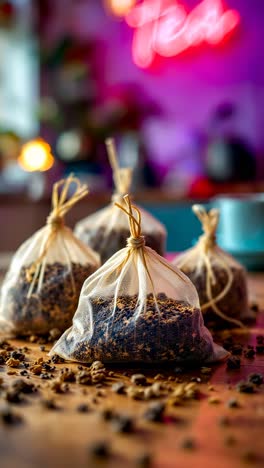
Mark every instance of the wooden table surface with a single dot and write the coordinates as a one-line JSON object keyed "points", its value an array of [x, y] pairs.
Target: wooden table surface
{"points": [[222, 437]]}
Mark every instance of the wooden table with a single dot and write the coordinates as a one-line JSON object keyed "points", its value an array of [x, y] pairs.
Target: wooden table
{"points": [[61, 438]]}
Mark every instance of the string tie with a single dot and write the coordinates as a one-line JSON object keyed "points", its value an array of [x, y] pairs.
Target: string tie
{"points": [[61, 204], [136, 242], [56, 222]]}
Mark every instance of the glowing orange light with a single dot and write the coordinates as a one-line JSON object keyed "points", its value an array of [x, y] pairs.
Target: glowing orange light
{"points": [[36, 156], [164, 27], [120, 7]]}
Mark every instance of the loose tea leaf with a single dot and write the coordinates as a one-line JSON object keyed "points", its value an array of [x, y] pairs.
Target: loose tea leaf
{"points": [[138, 379], [48, 404], [11, 362], [249, 353], [233, 363], [256, 378], [188, 444], [154, 412], [245, 387], [100, 449], [83, 408], [118, 387], [122, 423], [23, 386], [144, 460], [8, 416]]}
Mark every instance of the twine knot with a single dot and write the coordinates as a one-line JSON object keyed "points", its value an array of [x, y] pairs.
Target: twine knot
{"points": [[56, 222], [136, 242], [117, 198], [61, 204], [209, 223], [207, 242]]}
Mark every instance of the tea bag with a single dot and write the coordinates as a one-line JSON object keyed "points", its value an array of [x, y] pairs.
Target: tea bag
{"points": [[219, 279], [42, 287], [138, 308], [106, 231]]}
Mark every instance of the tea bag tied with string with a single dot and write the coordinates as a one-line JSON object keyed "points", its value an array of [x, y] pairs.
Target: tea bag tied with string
{"points": [[41, 289], [137, 307], [106, 231], [219, 279]]}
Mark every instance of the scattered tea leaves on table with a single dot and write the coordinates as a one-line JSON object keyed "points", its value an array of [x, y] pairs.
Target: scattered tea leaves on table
{"points": [[9, 417], [233, 363], [11, 362], [245, 387], [233, 403], [138, 379], [154, 412], [122, 423], [118, 387], [83, 408], [100, 449], [256, 378], [144, 460], [188, 444]]}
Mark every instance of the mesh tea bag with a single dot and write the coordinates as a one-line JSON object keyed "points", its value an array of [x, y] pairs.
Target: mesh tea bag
{"points": [[219, 279], [106, 231], [42, 287], [138, 308]]}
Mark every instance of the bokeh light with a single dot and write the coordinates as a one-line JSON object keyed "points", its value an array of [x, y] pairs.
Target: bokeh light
{"points": [[119, 7], [36, 156]]}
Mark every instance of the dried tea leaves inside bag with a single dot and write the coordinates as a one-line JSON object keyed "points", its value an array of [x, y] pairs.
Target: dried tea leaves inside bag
{"points": [[138, 308], [219, 279], [106, 231], [42, 287]]}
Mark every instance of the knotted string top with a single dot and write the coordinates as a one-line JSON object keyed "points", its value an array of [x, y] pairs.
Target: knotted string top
{"points": [[122, 176], [136, 240], [61, 204], [209, 221]]}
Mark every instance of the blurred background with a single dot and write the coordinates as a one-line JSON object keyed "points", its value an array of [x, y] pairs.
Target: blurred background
{"points": [[179, 84]]}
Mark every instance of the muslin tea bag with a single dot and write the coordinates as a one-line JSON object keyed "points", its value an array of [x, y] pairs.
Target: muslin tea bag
{"points": [[106, 231], [219, 279], [41, 289], [137, 307]]}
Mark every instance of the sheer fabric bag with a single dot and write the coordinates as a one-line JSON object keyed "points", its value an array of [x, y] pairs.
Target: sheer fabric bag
{"points": [[106, 231], [138, 308], [219, 279], [41, 289]]}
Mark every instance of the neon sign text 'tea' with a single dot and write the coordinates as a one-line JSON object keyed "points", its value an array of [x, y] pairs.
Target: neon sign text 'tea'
{"points": [[164, 27]]}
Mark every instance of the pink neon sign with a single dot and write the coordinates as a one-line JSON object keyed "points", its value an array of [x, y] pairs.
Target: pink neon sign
{"points": [[164, 27]]}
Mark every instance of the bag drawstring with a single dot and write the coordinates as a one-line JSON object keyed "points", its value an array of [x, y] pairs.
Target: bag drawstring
{"points": [[136, 242], [61, 204]]}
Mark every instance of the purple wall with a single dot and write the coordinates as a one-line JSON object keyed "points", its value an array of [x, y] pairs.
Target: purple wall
{"points": [[187, 87]]}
